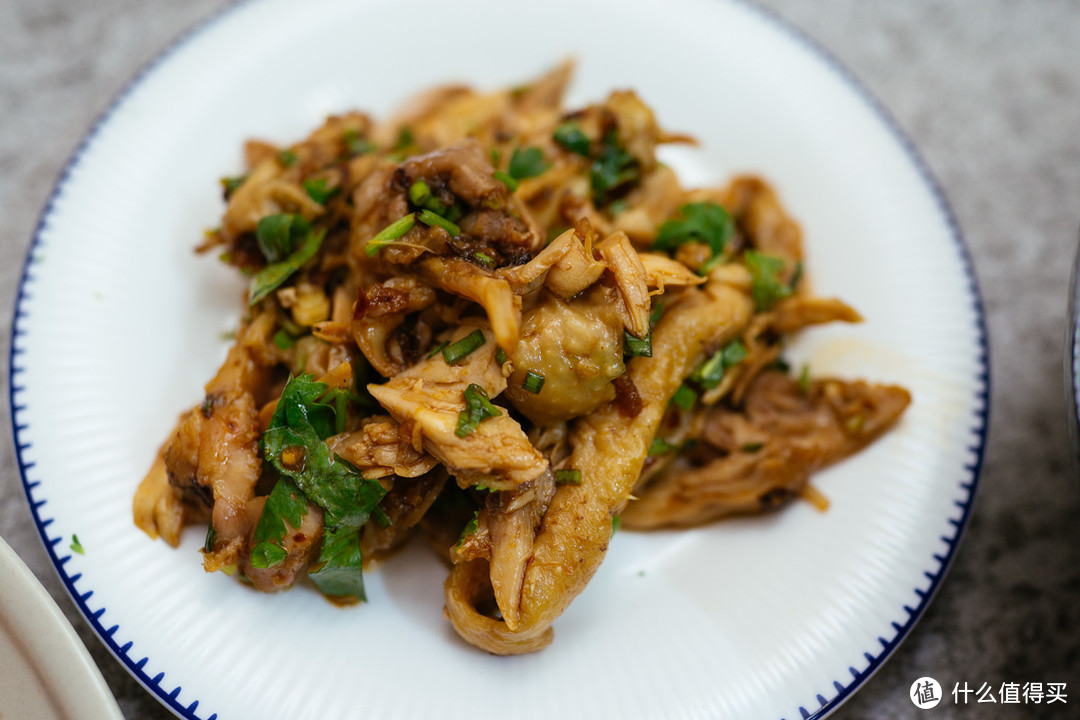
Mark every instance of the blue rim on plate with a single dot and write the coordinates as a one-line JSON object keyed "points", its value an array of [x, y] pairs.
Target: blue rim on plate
{"points": [[1072, 360], [828, 700]]}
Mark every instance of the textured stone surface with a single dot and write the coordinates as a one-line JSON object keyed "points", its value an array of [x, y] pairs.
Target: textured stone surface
{"points": [[989, 90]]}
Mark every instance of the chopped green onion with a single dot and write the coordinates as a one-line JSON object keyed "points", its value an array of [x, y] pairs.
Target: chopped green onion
{"points": [[419, 193], [527, 162], [429, 218], [496, 156], [318, 190], [500, 356], [752, 447], [618, 207], [76, 546], [656, 314], [283, 340], [437, 349], [712, 371], [804, 379], [211, 536], [533, 382], [637, 347], [389, 234], [485, 259], [684, 398], [510, 183], [478, 408], [287, 158], [570, 136], [616, 524], [455, 353], [569, 476], [660, 446]]}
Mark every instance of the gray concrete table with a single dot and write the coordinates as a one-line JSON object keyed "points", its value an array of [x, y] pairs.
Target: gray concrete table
{"points": [[990, 92]]}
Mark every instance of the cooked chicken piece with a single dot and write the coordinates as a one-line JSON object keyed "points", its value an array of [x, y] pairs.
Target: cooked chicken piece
{"points": [[609, 449], [214, 453], [631, 281], [464, 168], [576, 348], [158, 507], [578, 268], [428, 399], [513, 517], [379, 313], [381, 447], [404, 505], [661, 272], [760, 456], [301, 546], [466, 280]]}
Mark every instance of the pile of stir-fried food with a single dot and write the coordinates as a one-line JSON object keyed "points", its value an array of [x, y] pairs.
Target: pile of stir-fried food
{"points": [[507, 328]]}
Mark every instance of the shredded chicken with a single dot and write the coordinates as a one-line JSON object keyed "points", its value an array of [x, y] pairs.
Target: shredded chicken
{"points": [[500, 324]]}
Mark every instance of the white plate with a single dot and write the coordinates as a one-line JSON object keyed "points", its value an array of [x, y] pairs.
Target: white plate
{"points": [[118, 327], [45, 672]]}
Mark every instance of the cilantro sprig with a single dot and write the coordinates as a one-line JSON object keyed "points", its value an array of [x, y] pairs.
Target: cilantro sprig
{"points": [[307, 413], [704, 222]]}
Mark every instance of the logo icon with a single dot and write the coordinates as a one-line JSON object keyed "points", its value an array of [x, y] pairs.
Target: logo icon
{"points": [[925, 693]]}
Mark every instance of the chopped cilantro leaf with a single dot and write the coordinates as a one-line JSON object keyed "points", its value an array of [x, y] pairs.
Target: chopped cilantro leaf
{"points": [[711, 372], [285, 504], [229, 185], [287, 158], [704, 222], [356, 145], [765, 285], [293, 443], [272, 276], [76, 546], [283, 340], [570, 136], [527, 162], [318, 189], [613, 172], [338, 571], [278, 235]]}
